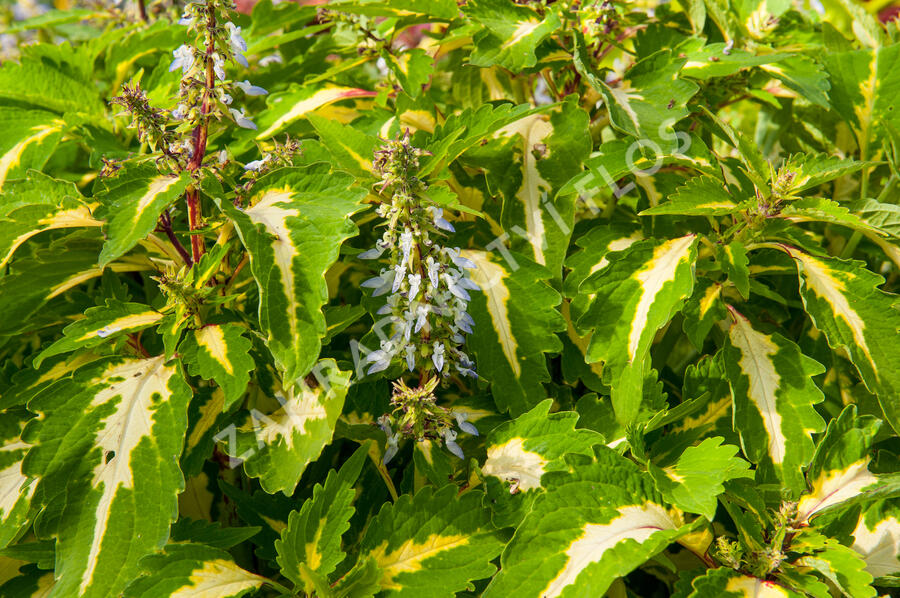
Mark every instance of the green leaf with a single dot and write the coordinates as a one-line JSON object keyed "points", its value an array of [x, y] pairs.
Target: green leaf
{"points": [[351, 149], [30, 136], [510, 33], [774, 397], [432, 545], [541, 153], [703, 310], [520, 452], [37, 204], [839, 565], [725, 582], [597, 522], [695, 480], [844, 302], [839, 473], [313, 534], [515, 324], [635, 296], [413, 69], [193, 570], [277, 446], [220, 352], [811, 170], [106, 452], [803, 75], [817, 209], [46, 85], [134, 201], [650, 104], [100, 323], [882, 216], [289, 106], [466, 129], [864, 90], [700, 196], [16, 488], [293, 229]]}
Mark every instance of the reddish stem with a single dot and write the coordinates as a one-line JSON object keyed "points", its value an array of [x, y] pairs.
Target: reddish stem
{"points": [[192, 196]]}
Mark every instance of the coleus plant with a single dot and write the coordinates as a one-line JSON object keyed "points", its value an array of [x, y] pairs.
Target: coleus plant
{"points": [[401, 298]]}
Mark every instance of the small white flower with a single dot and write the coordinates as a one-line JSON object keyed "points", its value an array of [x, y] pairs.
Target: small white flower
{"points": [[184, 59], [380, 360], [437, 214], [450, 443], [219, 67], [438, 356], [411, 357], [235, 39], [179, 112], [434, 270], [391, 449], [384, 422], [186, 20], [241, 120], [415, 281], [255, 165], [422, 316], [463, 424], [457, 259], [227, 99], [399, 273], [241, 59], [454, 288], [465, 322], [250, 89], [406, 238], [223, 157], [371, 254]]}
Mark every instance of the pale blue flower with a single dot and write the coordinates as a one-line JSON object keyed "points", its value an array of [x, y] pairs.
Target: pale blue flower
{"points": [[465, 426], [250, 89], [184, 59], [241, 119]]}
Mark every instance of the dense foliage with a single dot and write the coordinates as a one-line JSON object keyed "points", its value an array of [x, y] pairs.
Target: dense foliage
{"points": [[431, 299]]}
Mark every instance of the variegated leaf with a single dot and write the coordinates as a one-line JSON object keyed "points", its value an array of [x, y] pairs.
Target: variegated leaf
{"points": [[29, 137], [724, 581], [700, 196], [133, 202], [864, 90], [106, 452], [876, 538], [510, 33], [100, 323], [695, 481], [276, 446], [16, 489], [703, 310], [844, 302], [37, 204], [433, 544], [193, 571], [220, 352], [287, 107], [541, 152], [774, 397], [633, 298], [595, 523], [839, 473], [311, 542], [520, 452], [293, 229], [515, 325]]}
